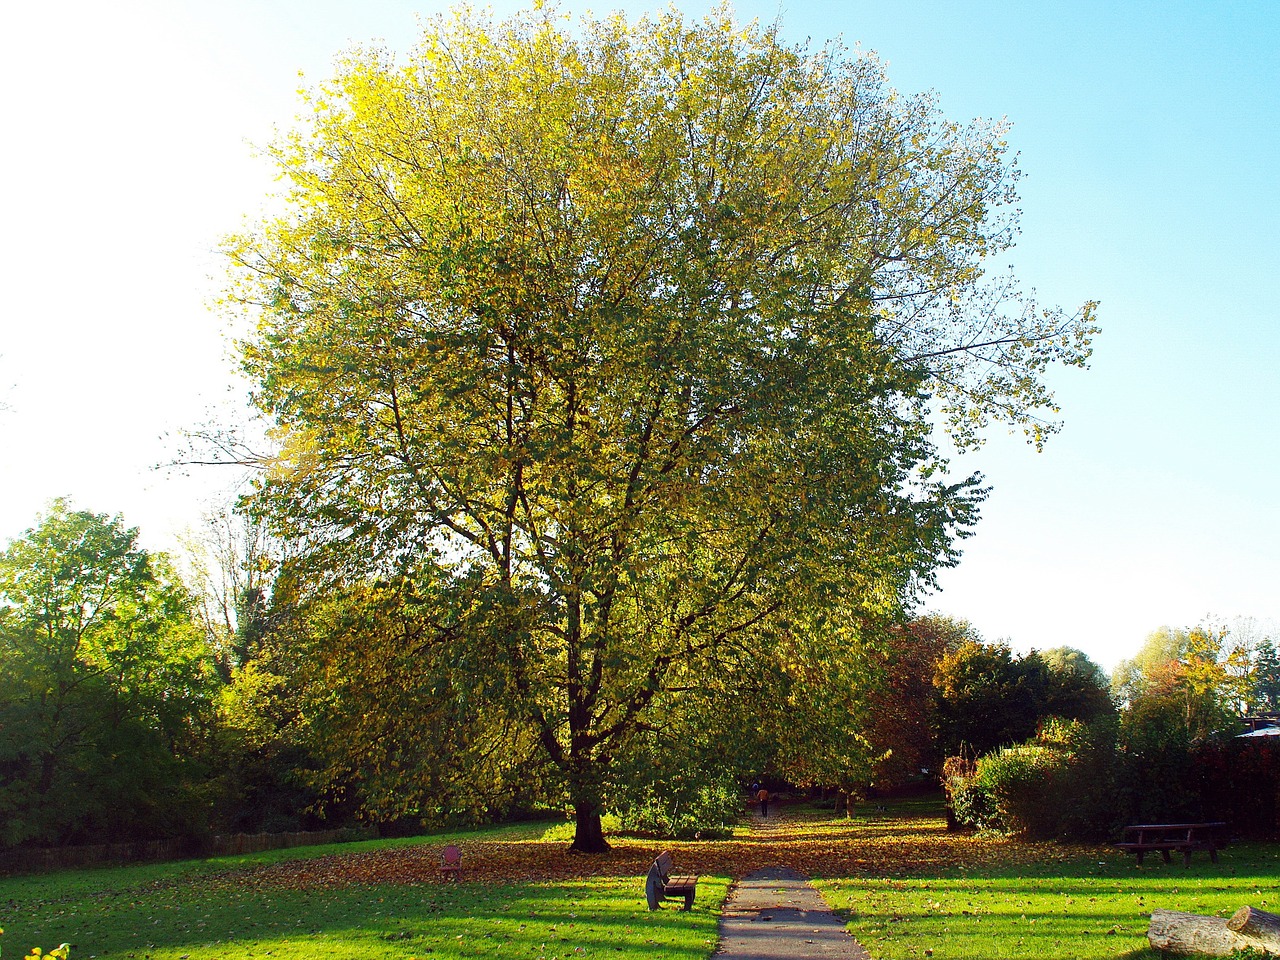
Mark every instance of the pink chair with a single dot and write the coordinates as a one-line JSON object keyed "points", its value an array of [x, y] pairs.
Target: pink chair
{"points": [[450, 863]]}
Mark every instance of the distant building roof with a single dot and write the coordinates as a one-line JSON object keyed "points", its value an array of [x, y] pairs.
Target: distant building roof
{"points": [[1261, 721]]}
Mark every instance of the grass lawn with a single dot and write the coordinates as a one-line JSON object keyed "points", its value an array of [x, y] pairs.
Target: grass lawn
{"points": [[326, 902], [977, 898], [907, 887]]}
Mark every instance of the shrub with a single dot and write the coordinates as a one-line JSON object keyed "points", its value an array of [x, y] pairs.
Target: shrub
{"points": [[1019, 781], [1055, 786], [968, 804], [699, 811]]}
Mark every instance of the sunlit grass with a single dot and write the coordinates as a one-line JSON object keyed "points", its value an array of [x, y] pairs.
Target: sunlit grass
{"points": [[204, 910], [995, 898], [578, 919], [908, 888]]}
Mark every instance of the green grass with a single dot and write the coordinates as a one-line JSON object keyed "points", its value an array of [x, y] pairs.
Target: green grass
{"points": [[1015, 901], [907, 888], [464, 920], [200, 910]]}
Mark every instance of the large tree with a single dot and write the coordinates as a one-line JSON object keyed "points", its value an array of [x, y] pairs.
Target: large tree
{"points": [[615, 353]]}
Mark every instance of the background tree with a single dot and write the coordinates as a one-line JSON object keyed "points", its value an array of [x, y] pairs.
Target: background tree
{"points": [[619, 347], [987, 697], [264, 756], [1076, 688], [1199, 673], [105, 688], [990, 697], [1138, 673], [902, 715], [1266, 678], [1072, 662], [815, 709], [230, 562]]}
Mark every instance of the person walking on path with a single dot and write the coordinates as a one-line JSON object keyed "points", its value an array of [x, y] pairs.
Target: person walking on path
{"points": [[763, 796]]}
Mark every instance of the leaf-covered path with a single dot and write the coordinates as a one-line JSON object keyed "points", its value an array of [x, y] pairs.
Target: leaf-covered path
{"points": [[775, 914]]}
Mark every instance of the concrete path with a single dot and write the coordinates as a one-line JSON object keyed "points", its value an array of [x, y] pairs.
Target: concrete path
{"points": [[775, 914]]}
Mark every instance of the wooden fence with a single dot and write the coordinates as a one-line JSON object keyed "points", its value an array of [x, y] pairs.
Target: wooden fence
{"points": [[61, 858]]}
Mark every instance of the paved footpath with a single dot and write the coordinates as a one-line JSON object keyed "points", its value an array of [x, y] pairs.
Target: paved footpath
{"points": [[775, 914]]}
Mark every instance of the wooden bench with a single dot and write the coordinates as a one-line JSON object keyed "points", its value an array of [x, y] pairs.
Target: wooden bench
{"points": [[660, 885], [450, 863], [1167, 837]]}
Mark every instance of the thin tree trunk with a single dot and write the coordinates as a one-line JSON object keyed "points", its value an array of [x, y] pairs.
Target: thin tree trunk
{"points": [[953, 824]]}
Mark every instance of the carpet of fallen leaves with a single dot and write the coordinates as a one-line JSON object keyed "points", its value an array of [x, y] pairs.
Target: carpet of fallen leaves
{"points": [[888, 845]]}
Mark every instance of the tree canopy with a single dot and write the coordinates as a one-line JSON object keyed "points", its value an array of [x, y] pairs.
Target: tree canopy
{"points": [[104, 682], [1266, 677], [1200, 676], [611, 357], [990, 697]]}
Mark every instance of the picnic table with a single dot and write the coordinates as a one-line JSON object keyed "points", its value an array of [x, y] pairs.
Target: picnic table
{"points": [[1167, 837]]}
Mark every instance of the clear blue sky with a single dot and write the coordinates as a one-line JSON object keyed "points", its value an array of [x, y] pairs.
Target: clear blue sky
{"points": [[1148, 134]]}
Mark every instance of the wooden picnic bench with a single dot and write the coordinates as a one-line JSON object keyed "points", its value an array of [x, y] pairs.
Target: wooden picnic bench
{"points": [[1167, 837], [659, 884]]}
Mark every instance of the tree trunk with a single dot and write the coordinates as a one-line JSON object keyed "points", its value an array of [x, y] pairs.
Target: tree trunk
{"points": [[1259, 924], [953, 824], [48, 763], [1180, 933], [1173, 931], [588, 835]]}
